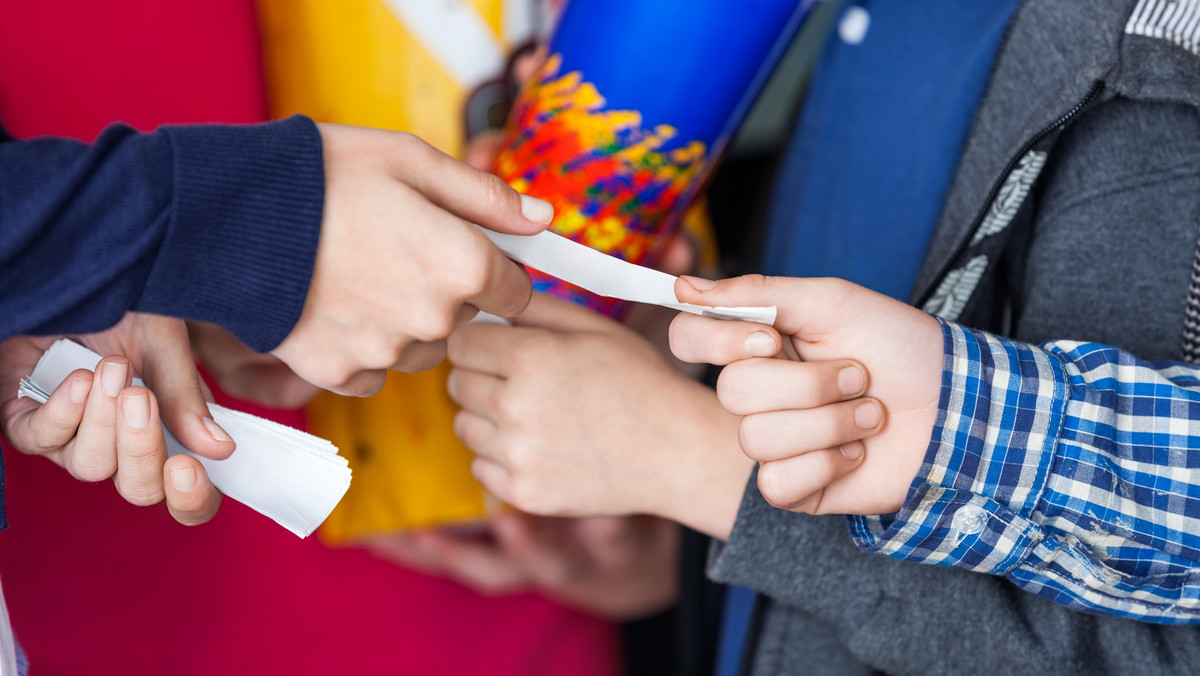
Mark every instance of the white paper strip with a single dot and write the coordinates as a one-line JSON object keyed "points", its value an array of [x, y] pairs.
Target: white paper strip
{"points": [[606, 275], [290, 476]]}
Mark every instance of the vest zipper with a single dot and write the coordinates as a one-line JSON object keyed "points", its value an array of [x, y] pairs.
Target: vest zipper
{"points": [[1093, 92]]}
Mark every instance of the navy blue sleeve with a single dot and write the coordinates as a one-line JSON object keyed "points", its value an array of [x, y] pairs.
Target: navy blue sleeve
{"points": [[212, 222]]}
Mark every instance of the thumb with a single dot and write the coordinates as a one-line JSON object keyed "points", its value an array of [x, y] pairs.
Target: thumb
{"points": [[801, 303], [170, 372]]}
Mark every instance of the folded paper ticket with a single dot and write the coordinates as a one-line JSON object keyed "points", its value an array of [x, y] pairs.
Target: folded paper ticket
{"points": [[609, 276], [290, 476]]}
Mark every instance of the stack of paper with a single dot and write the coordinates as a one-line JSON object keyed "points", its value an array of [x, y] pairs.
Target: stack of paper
{"points": [[293, 477]]}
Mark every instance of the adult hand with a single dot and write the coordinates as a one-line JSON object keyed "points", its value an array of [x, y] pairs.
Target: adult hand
{"points": [[98, 426], [246, 374], [399, 263], [836, 333], [621, 568]]}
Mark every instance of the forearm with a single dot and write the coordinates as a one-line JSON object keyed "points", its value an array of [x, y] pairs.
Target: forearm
{"points": [[219, 223], [1080, 491], [809, 570]]}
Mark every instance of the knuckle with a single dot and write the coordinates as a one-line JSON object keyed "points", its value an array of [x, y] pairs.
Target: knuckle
{"points": [[772, 485], [526, 497], [433, 324], [495, 193], [472, 279], [512, 405], [410, 144], [49, 435], [757, 282], [142, 495], [91, 470]]}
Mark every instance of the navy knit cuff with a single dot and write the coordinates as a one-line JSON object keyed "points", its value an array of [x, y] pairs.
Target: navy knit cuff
{"points": [[245, 225]]}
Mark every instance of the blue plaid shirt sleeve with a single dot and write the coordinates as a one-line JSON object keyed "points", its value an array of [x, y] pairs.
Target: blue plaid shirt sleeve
{"points": [[1072, 469]]}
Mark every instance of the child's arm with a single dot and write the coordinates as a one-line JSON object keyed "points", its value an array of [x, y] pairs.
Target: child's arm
{"points": [[1069, 468]]}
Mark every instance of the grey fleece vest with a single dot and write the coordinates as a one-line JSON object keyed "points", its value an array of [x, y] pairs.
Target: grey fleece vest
{"points": [[1074, 214]]}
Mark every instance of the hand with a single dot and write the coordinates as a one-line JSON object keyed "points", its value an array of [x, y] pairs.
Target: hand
{"points": [[620, 568], [98, 427], [836, 333], [571, 414], [246, 374], [399, 264]]}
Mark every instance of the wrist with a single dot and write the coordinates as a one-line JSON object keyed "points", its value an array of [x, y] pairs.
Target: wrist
{"points": [[703, 486]]}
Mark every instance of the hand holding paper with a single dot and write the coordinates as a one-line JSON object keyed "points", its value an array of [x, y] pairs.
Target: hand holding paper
{"points": [[399, 265], [816, 421], [98, 427], [292, 477]]}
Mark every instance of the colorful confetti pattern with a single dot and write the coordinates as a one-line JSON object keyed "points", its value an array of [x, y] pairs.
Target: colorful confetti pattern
{"points": [[613, 185]]}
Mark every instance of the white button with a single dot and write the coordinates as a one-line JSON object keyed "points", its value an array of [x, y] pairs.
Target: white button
{"points": [[854, 25], [969, 520]]}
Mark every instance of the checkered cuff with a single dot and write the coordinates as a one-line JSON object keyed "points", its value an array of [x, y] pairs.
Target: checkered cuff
{"points": [[992, 448]]}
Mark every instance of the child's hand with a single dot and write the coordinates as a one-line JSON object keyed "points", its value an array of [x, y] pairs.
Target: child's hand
{"points": [[621, 568], [97, 426], [572, 414], [835, 334]]}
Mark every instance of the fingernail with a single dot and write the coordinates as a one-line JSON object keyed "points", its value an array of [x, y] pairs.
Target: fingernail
{"points": [[112, 380], [78, 390], [761, 344], [183, 478], [215, 430], [867, 415], [699, 283], [851, 380], [852, 451], [135, 410], [536, 210]]}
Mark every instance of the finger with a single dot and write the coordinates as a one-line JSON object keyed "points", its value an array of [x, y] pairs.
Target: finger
{"points": [[797, 300], [507, 288], [482, 150], [141, 448], [548, 312], [480, 394], [528, 64], [359, 384], [191, 497], [493, 476], [47, 428], [478, 433], [407, 550], [547, 560], [486, 347], [465, 314], [273, 385], [702, 340], [169, 370], [420, 356], [478, 564], [474, 195], [780, 434], [678, 255], [93, 455], [759, 385], [798, 483]]}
